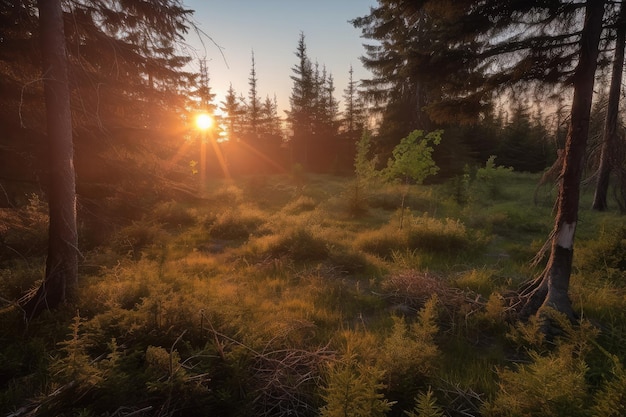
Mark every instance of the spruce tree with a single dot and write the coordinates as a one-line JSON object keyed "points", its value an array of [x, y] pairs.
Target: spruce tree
{"points": [[254, 105], [301, 114]]}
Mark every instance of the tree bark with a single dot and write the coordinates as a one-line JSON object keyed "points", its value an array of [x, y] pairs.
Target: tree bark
{"points": [[607, 153], [550, 290], [61, 276]]}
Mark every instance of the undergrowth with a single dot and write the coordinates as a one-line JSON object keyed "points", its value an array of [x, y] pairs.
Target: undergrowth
{"points": [[307, 295]]}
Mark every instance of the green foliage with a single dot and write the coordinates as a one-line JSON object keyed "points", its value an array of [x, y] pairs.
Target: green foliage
{"points": [[425, 234], [410, 350], [553, 383], [412, 157], [295, 274], [460, 186], [364, 164], [610, 401], [605, 253], [353, 389], [74, 363], [299, 244], [367, 176], [490, 179], [425, 406]]}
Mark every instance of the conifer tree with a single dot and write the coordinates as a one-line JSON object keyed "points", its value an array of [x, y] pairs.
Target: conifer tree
{"points": [[234, 111], [254, 104], [126, 95], [300, 116], [353, 118], [469, 49], [610, 154], [61, 277]]}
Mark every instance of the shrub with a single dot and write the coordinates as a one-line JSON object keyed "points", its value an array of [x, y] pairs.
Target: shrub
{"points": [[410, 350], [24, 231], [434, 235], [425, 406], [551, 385], [353, 390], [302, 203], [382, 242], [173, 214], [235, 224], [490, 178], [610, 401], [299, 244], [605, 253], [134, 239]]}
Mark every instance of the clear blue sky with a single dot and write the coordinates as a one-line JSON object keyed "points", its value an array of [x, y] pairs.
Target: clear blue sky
{"points": [[272, 28]]}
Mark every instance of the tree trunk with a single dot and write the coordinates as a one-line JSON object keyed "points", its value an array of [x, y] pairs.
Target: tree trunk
{"points": [[607, 153], [61, 275], [551, 288]]}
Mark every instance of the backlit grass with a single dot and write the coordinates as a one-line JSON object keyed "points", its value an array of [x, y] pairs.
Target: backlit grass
{"points": [[274, 288]]}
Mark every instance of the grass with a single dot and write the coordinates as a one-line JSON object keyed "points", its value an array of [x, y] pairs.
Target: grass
{"points": [[268, 282]]}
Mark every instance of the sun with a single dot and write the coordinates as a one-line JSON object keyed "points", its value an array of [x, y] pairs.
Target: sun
{"points": [[204, 121]]}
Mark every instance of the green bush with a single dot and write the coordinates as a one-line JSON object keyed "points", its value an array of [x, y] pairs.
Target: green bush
{"points": [[353, 389], [605, 253], [490, 180], [442, 236]]}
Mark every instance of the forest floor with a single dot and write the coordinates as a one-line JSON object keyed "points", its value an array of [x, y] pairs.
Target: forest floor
{"points": [[275, 297]]}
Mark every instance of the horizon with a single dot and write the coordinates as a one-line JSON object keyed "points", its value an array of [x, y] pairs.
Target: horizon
{"points": [[271, 30]]}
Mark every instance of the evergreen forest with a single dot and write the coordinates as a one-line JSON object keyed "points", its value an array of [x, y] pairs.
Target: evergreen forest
{"points": [[443, 238]]}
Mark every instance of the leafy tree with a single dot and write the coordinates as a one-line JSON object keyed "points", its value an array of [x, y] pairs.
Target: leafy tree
{"points": [[412, 160], [479, 47]]}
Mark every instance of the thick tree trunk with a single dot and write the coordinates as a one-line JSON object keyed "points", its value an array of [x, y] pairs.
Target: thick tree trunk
{"points": [[61, 276], [607, 153], [551, 288]]}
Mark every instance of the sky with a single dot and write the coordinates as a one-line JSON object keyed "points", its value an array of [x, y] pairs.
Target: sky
{"points": [[271, 28]]}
